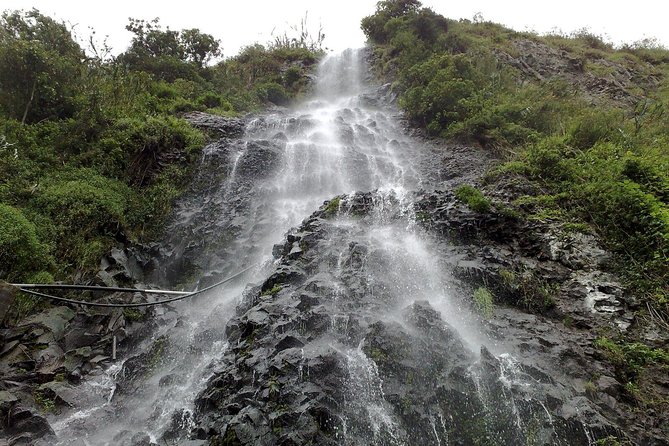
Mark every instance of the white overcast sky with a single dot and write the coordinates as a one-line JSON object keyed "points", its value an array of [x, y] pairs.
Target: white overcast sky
{"points": [[242, 22]]}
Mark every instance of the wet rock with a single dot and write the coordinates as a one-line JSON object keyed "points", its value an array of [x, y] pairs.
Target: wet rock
{"points": [[59, 392], [49, 360], [225, 127], [7, 400], [7, 297], [141, 439], [55, 320], [138, 366], [21, 420], [171, 380]]}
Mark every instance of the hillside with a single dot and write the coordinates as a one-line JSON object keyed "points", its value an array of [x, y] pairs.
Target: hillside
{"points": [[93, 149], [581, 134]]}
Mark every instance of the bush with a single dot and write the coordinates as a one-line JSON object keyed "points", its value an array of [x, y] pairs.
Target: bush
{"points": [[146, 141], [272, 92], [483, 302], [634, 220], [292, 76], [647, 175], [21, 251], [182, 105], [548, 159], [210, 100], [84, 201], [629, 359], [473, 198], [591, 128]]}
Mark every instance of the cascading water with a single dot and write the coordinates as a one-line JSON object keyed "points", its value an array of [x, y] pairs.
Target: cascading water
{"points": [[373, 324]]}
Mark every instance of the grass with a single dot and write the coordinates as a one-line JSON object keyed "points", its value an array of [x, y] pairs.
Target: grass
{"points": [[483, 302], [630, 359], [45, 403], [473, 198], [526, 289]]}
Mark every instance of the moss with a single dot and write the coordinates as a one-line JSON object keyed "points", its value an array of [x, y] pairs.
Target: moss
{"points": [[229, 439], [473, 198], [332, 208], [422, 216], [611, 441], [134, 315], [377, 355], [156, 355], [272, 291]]}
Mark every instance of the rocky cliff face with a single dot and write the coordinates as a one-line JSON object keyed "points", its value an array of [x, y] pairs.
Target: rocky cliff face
{"points": [[326, 352]]}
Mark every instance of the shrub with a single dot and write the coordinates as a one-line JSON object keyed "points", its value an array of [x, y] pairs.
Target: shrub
{"points": [[647, 175], [21, 251], [629, 359], [641, 222], [210, 100], [591, 128], [272, 92], [147, 140], [85, 213], [473, 198], [84, 200], [548, 159], [182, 105], [292, 76], [483, 302]]}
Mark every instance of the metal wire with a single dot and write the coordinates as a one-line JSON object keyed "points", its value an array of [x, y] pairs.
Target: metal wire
{"points": [[182, 294], [52, 286]]}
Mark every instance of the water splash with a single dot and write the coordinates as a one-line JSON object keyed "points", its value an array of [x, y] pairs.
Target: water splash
{"points": [[370, 412]]}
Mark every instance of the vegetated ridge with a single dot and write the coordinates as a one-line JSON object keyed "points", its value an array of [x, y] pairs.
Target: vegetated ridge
{"points": [[93, 149], [581, 132]]}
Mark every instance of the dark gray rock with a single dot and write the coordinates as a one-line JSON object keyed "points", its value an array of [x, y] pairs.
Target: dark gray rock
{"points": [[7, 297], [225, 127]]}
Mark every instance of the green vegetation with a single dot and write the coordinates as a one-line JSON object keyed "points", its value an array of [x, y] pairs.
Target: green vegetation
{"points": [[601, 161], [134, 315], [483, 302], [629, 359], [473, 198], [272, 291], [332, 207], [44, 402], [92, 148], [611, 441], [526, 289]]}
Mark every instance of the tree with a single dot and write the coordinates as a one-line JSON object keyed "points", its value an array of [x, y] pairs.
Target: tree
{"points": [[40, 67], [166, 53], [374, 25], [198, 47]]}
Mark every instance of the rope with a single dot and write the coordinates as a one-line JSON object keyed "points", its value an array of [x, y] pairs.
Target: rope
{"points": [[183, 294]]}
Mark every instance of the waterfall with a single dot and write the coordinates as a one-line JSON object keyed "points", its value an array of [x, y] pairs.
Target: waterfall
{"points": [[377, 277]]}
